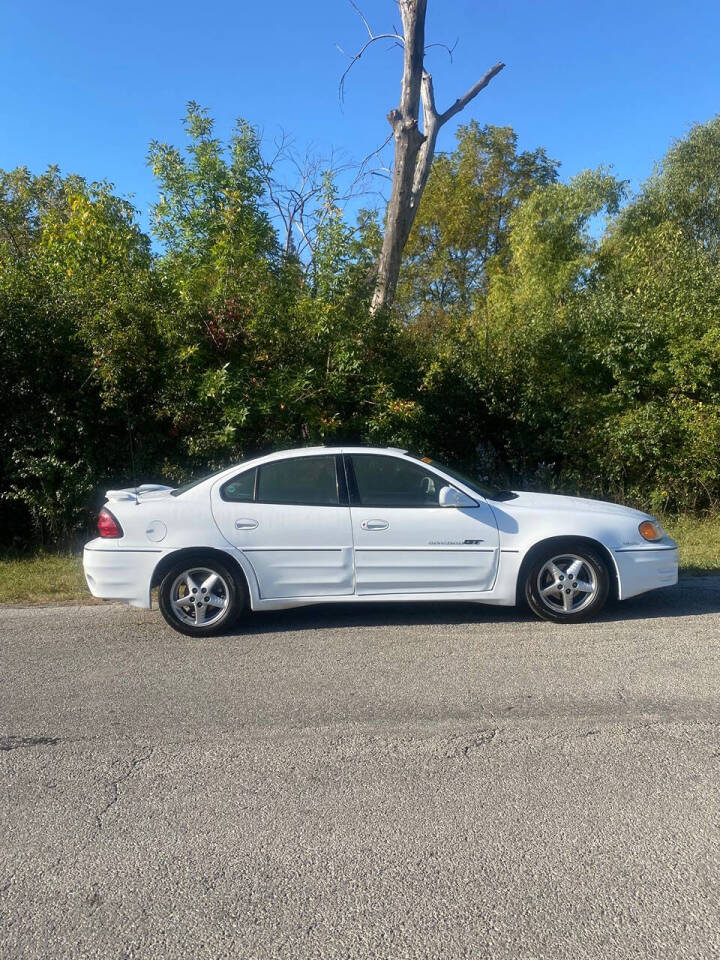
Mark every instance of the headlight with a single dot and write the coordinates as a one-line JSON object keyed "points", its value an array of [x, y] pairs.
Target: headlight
{"points": [[651, 530]]}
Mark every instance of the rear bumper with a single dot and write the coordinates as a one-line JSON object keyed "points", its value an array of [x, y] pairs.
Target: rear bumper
{"points": [[646, 568], [113, 573]]}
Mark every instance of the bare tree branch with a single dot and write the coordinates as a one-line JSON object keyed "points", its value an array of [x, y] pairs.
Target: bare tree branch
{"points": [[450, 49], [369, 157], [431, 129], [359, 12], [373, 38], [356, 56], [427, 91], [463, 101], [296, 185]]}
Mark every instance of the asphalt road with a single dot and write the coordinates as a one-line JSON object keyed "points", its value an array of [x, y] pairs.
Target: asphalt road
{"points": [[387, 782]]}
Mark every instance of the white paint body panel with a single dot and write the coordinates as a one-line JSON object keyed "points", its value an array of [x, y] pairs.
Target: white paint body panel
{"points": [[295, 551], [423, 550], [298, 555]]}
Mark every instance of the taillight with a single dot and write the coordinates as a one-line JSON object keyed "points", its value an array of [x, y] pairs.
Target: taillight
{"points": [[108, 525]]}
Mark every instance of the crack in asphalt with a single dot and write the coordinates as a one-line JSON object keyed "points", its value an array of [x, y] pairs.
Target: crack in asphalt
{"points": [[11, 742], [482, 739], [113, 786]]}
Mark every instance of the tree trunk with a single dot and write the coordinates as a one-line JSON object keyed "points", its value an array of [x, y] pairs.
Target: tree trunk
{"points": [[408, 141], [414, 150]]}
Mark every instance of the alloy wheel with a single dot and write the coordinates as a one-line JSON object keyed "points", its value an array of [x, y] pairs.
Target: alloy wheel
{"points": [[199, 597], [567, 584]]}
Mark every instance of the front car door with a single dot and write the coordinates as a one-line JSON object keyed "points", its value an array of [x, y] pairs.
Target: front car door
{"points": [[291, 520], [406, 540]]}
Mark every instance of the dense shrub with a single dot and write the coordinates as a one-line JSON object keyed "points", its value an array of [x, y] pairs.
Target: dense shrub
{"points": [[529, 343]]}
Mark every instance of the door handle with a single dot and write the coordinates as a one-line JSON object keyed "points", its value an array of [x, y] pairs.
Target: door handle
{"points": [[245, 524], [374, 524]]}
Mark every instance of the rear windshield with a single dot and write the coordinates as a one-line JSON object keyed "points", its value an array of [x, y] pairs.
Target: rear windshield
{"points": [[179, 491]]}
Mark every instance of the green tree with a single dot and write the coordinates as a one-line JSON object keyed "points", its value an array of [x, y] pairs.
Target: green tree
{"points": [[533, 345], [464, 216], [653, 322], [72, 267], [684, 191], [505, 384]]}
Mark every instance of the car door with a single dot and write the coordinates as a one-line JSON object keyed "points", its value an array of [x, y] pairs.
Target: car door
{"points": [[406, 540], [291, 519]]}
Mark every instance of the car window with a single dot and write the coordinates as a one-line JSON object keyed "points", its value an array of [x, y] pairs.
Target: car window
{"points": [[392, 482], [304, 480], [241, 489]]}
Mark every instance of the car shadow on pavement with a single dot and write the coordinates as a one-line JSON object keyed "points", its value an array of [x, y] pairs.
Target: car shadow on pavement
{"points": [[693, 596]]}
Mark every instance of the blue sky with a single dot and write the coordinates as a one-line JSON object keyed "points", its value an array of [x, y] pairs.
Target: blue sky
{"points": [[87, 86]]}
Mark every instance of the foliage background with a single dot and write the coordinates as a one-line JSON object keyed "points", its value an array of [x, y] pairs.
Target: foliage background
{"points": [[547, 334]]}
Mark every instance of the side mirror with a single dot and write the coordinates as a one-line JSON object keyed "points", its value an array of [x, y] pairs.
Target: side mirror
{"points": [[452, 497]]}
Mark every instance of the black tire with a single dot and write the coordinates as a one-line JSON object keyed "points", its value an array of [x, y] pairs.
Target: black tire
{"points": [[564, 601], [226, 589]]}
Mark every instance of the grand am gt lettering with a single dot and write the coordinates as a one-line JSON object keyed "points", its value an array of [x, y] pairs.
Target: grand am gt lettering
{"points": [[358, 524]]}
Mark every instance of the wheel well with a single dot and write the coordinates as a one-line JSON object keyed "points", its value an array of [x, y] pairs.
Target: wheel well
{"points": [[170, 559], [540, 547]]}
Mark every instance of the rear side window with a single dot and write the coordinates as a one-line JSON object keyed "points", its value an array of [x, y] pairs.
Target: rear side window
{"points": [[241, 489], [303, 480], [392, 482]]}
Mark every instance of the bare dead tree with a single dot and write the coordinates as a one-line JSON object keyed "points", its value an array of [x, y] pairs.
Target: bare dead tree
{"points": [[414, 148], [296, 184]]}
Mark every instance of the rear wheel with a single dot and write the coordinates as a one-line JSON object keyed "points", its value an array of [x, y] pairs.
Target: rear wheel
{"points": [[200, 597], [567, 584]]}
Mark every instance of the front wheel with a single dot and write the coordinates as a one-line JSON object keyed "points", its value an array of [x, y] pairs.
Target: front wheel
{"points": [[567, 586], [200, 597]]}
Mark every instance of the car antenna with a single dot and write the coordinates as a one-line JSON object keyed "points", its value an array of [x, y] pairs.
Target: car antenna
{"points": [[132, 451]]}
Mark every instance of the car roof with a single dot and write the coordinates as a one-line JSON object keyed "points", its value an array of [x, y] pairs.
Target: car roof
{"points": [[320, 450], [310, 452], [300, 452]]}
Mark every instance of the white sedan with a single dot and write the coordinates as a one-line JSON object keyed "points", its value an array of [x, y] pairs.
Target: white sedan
{"points": [[357, 524]]}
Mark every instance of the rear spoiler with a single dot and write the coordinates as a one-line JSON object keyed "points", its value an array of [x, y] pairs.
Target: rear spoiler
{"points": [[134, 493]]}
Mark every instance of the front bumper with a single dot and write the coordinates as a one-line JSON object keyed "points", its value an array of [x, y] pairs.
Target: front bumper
{"points": [[114, 573], [646, 568]]}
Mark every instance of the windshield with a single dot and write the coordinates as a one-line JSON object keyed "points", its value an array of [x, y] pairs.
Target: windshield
{"points": [[485, 490]]}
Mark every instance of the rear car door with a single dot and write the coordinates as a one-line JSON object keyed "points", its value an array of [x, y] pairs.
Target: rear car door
{"points": [[405, 541], [290, 517]]}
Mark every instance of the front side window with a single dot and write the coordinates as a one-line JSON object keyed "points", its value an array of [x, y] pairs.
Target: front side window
{"points": [[391, 482], [302, 480]]}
